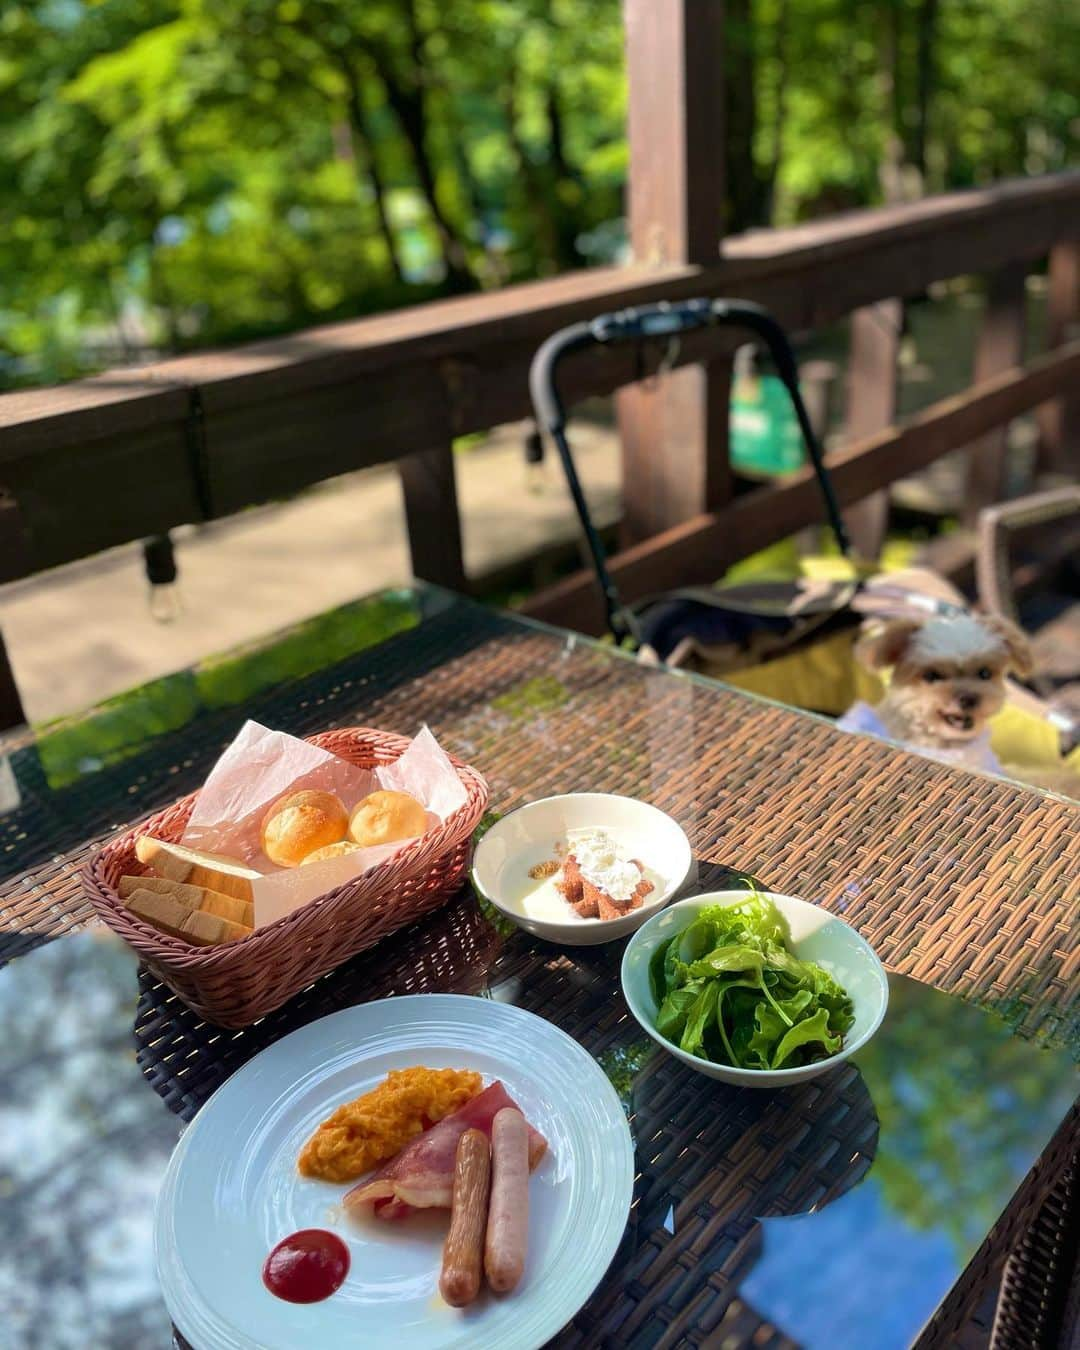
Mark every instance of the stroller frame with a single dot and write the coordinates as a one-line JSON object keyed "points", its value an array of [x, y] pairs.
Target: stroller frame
{"points": [[668, 321]]}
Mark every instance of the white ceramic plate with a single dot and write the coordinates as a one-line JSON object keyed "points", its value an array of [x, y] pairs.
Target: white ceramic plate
{"points": [[816, 935], [232, 1191], [528, 836]]}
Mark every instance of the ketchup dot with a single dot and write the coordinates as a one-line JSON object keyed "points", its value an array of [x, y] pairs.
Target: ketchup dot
{"points": [[306, 1266]]}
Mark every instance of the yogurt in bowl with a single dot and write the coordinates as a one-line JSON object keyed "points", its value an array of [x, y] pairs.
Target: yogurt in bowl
{"points": [[620, 849]]}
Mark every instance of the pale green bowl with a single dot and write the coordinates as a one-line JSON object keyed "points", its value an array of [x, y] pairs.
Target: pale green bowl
{"points": [[816, 936]]}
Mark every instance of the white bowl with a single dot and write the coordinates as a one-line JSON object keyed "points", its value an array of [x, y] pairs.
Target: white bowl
{"points": [[528, 836], [816, 936]]}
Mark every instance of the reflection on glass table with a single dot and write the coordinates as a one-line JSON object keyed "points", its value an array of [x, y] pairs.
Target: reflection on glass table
{"points": [[898, 1174], [83, 1144], [841, 1211]]}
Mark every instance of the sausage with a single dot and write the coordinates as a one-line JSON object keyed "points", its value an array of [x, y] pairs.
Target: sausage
{"points": [[508, 1213], [459, 1282]]}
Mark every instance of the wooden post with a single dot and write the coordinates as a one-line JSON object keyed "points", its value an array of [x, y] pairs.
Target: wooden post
{"points": [[15, 561], [1000, 347], [871, 407], [1059, 421], [674, 428], [11, 708], [431, 516], [817, 380]]}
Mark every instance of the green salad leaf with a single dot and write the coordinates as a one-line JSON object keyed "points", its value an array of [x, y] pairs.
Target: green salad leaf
{"points": [[675, 1009], [702, 1014], [730, 989], [810, 1031]]}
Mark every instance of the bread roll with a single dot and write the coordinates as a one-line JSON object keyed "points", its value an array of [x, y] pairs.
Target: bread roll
{"points": [[215, 871], [330, 851], [385, 817], [301, 822]]}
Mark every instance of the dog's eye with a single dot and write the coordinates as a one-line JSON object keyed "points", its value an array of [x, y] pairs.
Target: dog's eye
{"points": [[985, 673], [932, 676]]}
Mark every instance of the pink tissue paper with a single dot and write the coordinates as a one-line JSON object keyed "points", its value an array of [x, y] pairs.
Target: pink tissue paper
{"points": [[262, 765]]}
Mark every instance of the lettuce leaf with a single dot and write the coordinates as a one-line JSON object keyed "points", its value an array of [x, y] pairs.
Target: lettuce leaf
{"points": [[671, 1019], [730, 989], [756, 918], [724, 959], [699, 938], [702, 1015], [809, 1030], [658, 977]]}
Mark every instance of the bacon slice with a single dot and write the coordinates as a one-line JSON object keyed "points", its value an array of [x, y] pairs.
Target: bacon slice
{"points": [[421, 1176]]}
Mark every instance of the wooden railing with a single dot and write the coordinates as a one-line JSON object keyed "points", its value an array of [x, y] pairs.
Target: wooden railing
{"points": [[131, 452], [135, 452]]}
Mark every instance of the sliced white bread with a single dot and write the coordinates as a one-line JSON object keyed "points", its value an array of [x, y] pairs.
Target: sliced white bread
{"points": [[171, 916], [214, 871], [194, 897]]}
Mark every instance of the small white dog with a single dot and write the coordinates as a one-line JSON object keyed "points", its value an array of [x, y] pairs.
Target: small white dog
{"points": [[948, 680]]}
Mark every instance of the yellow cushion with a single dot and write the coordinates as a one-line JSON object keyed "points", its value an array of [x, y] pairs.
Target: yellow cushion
{"points": [[823, 677], [1019, 737]]}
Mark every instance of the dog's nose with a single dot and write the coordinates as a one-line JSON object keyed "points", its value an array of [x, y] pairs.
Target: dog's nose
{"points": [[968, 701]]}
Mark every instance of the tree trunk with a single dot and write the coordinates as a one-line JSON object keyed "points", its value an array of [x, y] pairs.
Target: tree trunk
{"points": [[161, 298], [406, 98], [492, 266], [895, 150], [925, 72], [116, 308], [564, 176], [365, 145], [745, 189], [559, 162], [537, 198], [408, 107], [776, 150]]}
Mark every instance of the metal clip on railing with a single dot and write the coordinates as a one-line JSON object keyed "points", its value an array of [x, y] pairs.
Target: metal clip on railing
{"points": [[648, 323]]}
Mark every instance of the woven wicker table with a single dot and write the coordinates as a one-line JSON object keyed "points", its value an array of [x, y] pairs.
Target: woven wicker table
{"points": [[959, 1126]]}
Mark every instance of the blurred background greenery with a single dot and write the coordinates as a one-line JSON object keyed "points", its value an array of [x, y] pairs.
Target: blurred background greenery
{"points": [[176, 174]]}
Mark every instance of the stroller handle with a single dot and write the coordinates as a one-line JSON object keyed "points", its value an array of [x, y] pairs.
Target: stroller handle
{"points": [[669, 321]]}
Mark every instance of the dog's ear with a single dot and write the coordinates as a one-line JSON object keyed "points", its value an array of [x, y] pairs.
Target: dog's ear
{"points": [[883, 644], [1016, 643]]}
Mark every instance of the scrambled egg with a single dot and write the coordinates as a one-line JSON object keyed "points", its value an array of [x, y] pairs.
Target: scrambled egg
{"points": [[363, 1133]]}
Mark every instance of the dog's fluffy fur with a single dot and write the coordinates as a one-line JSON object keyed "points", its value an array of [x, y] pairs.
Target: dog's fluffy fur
{"points": [[948, 676]]}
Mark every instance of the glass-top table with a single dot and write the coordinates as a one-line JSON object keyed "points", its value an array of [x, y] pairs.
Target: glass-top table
{"points": [[867, 1208]]}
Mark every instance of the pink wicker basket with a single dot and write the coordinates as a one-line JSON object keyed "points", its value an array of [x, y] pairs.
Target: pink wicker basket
{"points": [[236, 983]]}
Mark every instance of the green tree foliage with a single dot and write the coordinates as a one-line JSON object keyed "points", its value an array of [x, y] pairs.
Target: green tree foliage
{"points": [[181, 173]]}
